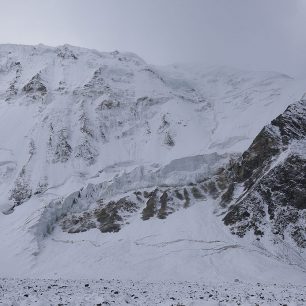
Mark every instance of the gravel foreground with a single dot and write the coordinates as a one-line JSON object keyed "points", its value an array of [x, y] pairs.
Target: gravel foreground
{"points": [[45, 292]]}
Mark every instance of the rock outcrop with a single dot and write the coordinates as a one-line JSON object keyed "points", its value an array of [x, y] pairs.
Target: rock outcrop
{"points": [[273, 175]]}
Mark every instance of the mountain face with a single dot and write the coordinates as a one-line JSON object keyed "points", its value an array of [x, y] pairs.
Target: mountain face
{"points": [[273, 174], [129, 170]]}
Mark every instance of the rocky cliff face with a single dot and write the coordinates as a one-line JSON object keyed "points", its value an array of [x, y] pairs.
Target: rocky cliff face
{"points": [[272, 173]]}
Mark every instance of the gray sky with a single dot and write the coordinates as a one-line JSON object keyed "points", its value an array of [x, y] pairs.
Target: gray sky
{"points": [[251, 34]]}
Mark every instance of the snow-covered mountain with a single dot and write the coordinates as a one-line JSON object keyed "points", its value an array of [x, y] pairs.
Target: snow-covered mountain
{"points": [[273, 174], [110, 167]]}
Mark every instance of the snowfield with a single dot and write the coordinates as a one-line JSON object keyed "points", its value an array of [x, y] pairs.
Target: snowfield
{"points": [[113, 169]]}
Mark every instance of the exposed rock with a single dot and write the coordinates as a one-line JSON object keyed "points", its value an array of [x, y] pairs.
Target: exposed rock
{"points": [[196, 193], [169, 140], [12, 91], [65, 52], [272, 172], [86, 151], [61, 147], [150, 210], [187, 198], [21, 191], [162, 213], [35, 87]]}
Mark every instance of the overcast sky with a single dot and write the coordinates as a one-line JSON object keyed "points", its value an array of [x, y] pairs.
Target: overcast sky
{"points": [[251, 34]]}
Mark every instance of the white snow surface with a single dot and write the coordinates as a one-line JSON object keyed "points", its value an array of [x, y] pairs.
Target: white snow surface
{"points": [[110, 123]]}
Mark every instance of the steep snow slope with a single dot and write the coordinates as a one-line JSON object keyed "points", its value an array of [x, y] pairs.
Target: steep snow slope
{"points": [[100, 151], [81, 110]]}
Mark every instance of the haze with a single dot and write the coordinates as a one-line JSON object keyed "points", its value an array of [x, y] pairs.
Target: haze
{"points": [[249, 34]]}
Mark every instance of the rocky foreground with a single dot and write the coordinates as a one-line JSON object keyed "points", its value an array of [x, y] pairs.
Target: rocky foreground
{"points": [[114, 292]]}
